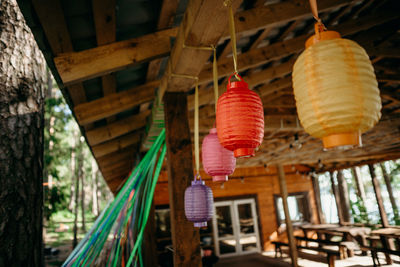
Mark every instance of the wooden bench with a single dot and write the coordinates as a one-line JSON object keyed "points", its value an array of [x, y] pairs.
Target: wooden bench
{"points": [[332, 255], [278, 248], [345, 248]]}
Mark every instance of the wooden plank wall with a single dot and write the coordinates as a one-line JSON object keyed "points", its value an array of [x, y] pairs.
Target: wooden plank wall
{"points": [[261, 183]]}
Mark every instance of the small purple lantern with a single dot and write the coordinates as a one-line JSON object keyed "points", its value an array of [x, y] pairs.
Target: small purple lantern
{"points": [[199, 203]]}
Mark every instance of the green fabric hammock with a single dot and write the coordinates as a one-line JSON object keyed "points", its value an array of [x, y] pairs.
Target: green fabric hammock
{"points": [[117, 235]]}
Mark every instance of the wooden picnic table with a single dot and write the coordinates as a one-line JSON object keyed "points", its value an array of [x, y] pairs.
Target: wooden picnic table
{"points": [[386, 235], [348, 233]]}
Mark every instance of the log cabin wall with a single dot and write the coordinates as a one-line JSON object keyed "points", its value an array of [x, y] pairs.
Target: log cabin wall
{"points": [[260, 183]]}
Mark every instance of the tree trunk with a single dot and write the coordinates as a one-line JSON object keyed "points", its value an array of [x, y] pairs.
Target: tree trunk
{"points": [[71, 205], [378, 195], [22, 85], [390, 191], [82, 179], [94, 189], [76, 206], [359, 183], [337, 200], [343, 196], [317, 197]]}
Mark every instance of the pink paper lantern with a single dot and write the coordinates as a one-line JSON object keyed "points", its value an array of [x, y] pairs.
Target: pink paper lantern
{"points": [[218, 161]]}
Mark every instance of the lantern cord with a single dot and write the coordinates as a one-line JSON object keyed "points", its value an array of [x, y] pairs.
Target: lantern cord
{"points": [[215, 67], [196, 116], [319, 27], [232, 32], [314, 10], [215, 78], [196, 128]]}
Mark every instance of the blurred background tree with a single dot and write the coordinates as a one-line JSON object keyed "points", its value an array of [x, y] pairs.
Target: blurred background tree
{"points": [[74, 190]]}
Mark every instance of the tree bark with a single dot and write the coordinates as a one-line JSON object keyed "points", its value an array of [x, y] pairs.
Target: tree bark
{"points": [[71, 205], [359, 183], [337, 200], [378, 195], [317, 197], [22, 87], [390, 191], [343, 196]]}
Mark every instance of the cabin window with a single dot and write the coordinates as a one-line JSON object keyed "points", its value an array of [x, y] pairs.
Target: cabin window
{"points": [[299, 208]]}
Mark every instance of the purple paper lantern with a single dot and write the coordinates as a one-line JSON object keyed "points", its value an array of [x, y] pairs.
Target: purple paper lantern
{"points": [[218, 161], [199, 203]]}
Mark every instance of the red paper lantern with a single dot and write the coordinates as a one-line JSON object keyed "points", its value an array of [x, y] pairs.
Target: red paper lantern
{"points": [[218, 161], [240, 119]]}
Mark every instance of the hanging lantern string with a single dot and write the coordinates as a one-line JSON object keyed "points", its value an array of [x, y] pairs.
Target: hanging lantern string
{"points": [[196, 117], [196, 128], [215, 67], [319, 27], [215, 78], [228, 3]]}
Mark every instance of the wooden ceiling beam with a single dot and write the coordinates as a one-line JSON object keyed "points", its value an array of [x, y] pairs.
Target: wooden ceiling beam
{"points": [[117, 157], [253, 79], [105, 25], [280, 13], [272, 123], [260, 56], [167, 15], [115, 103], [118, 128], [203, 25], [79, 66], [51, 17], [116, 144]]}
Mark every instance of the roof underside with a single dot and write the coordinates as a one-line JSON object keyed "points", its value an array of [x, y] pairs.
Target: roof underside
{"points": [[270, 36]]}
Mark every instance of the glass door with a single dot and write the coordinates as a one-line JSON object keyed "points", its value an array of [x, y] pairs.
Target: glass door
{"points": [[224, 230], [248, 237], [235, 227]]}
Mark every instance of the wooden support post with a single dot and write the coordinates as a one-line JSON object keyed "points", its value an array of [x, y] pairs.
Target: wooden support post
{"points": [[390, 190], [317, 197], [289, 227], [378, 195], [150, 247], [185, 238], [359, 183], [337, 200], [343, 196]]}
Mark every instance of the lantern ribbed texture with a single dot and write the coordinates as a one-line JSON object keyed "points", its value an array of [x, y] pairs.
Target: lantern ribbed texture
{"points": [[199, 203], [240, 119], [336, 92], [218, 161]]}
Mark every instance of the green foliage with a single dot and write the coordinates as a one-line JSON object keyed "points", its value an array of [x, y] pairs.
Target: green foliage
{"points": [[61, 133], [359, 211]]}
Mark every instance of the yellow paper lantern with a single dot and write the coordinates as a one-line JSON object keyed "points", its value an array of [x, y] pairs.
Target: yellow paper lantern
{"points": [[336, 91]]}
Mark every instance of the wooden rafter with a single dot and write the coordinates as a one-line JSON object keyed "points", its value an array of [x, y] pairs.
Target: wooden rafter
{"points": [[203, 25], [117, 128], [116, 144], [115, 103], [105, 25], [51, 17], [79, 66]]}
